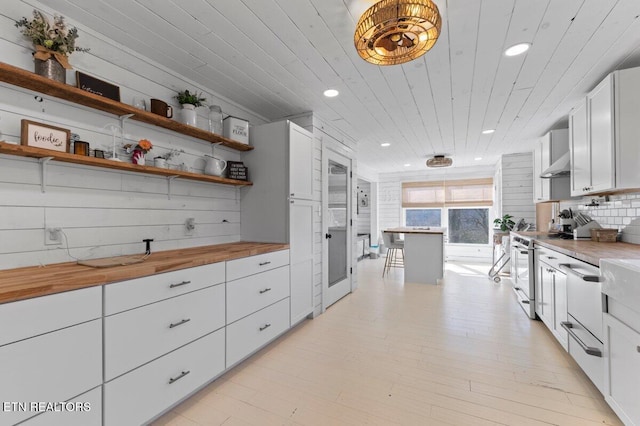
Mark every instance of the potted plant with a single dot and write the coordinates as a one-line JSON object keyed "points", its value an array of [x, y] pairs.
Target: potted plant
{"points": [[53, 44], [504, 223], [161, 160], [189, 102]]}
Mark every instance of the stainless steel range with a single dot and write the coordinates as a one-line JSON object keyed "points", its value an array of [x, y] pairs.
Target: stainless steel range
{"points": [[522, 273]]}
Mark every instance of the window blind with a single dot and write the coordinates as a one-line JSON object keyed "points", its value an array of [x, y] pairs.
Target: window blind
{"points": [[467, 192]]}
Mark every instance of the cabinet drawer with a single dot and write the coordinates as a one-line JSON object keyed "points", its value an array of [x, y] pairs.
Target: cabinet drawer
{"points": [[52, 367], [28, 318], [552, 257], [142, 394], [135, 337], [250, 294], [131, 294], [256, 330], [246, 266], [87, 411], [592, 365]]}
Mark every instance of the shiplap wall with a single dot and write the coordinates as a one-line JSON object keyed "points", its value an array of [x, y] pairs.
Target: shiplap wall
{"points": [[517, 186], [104, 212], [390, 204], [364, 213]]}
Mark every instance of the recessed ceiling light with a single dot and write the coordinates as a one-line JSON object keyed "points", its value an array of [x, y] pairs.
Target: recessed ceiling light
{"points": [[386, 144], [517, 49], [407, 165], [331, 93], [478, 158], [488, 131]]}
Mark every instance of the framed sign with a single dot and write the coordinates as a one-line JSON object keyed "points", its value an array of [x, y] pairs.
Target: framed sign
{"points": [[236, 170], [40, 135], [96, 86]]}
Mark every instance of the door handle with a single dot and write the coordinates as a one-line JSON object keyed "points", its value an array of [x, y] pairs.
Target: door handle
{"points": [[327, 236], [588, 349]]}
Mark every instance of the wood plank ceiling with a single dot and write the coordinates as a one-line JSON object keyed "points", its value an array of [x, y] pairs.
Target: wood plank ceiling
{"points": [[276, 57]]}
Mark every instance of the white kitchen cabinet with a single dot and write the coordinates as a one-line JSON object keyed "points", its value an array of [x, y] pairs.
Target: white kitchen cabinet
{"points": [[140, 335], [302, 258], [51, 367], [603, 136], [279, 207], [137, 397], [551, 292], [249, 294], [622, 369], [549, 149]]}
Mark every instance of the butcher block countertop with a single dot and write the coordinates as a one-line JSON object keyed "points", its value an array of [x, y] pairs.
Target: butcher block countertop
{"points": [[34, 281], [589, 251]]}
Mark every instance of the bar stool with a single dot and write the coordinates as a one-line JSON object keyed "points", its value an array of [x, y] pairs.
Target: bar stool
{"points": [[393, 242]]}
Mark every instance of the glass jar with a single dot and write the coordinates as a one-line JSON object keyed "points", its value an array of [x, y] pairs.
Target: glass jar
{"points": [[215, 119]]}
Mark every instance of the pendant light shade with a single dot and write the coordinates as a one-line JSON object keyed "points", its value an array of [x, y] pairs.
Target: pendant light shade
{"points": [[439, 161], [397, 31]]}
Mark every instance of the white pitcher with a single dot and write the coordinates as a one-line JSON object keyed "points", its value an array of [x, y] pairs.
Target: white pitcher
{"points": [[214, 166]]}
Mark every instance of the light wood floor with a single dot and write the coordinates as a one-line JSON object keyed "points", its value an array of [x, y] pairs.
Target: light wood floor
{"points": [[461, 353]]}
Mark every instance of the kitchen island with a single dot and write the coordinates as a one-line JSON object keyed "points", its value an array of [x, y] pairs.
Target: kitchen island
{"points": [[423, 254]]}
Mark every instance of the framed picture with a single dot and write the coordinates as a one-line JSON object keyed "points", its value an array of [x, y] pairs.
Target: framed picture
{"points": [[97, 87], [40, 135]]}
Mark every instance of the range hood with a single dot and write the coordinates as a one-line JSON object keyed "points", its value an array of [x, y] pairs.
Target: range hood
{"points": [[560, 167]]}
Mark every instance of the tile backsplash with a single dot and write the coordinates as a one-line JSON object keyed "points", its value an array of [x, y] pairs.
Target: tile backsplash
{"points": [[621, 211]]}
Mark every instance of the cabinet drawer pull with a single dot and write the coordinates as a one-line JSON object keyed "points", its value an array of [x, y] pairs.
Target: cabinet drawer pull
{"points": [[264, 327], [184, 373], [524, 252], [591, 278], [265, 290], [180, 284], [588, 349], [175, 324], [551, 258], [638, 349], [263, 263]]}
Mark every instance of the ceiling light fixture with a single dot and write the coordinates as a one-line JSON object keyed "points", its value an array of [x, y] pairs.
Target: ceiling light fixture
{"points": [[488, 131], [517, 49], [397, 31], [331, 93], [478, 158], [407, 165], [384, 145], [439, 161]]}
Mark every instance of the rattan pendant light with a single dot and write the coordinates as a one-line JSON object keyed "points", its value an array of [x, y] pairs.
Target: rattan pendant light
{"points": [[397, 31]]}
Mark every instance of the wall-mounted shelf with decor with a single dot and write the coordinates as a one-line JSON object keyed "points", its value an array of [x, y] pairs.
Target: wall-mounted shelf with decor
{"points": [[28, 80], [45, 155]]}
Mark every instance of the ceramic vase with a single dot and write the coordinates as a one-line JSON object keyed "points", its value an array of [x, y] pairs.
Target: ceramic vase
{"points": [[188, 114], [138, 157], [51, 69]]}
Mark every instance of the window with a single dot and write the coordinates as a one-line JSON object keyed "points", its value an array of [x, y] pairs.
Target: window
{"points": [[423, 217], [468, 226], [462, 206]]}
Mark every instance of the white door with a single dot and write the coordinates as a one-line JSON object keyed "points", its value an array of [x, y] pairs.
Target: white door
{"points": [[336, 200]]}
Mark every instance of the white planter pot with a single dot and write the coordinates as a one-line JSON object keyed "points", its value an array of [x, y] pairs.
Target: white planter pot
{"points": [[160, 163], [188, 114]]}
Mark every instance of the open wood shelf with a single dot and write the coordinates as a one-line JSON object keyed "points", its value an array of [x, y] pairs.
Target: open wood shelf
{"points": [[28, 80], [29, 151]]}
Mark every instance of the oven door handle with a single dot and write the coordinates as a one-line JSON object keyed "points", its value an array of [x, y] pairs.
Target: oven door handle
{"points": [[591, 278], [588, 349]]}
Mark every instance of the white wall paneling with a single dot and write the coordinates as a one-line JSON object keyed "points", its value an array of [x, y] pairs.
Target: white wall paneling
{"points": [[517, 186]]}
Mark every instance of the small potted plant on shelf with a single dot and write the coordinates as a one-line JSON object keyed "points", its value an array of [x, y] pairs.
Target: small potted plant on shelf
{"points": [[161, 160], [53, 44], [190, 101]]}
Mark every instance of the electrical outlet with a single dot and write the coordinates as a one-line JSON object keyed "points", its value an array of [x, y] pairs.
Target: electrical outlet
{"points": [[53, 236], [189, 226]]}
